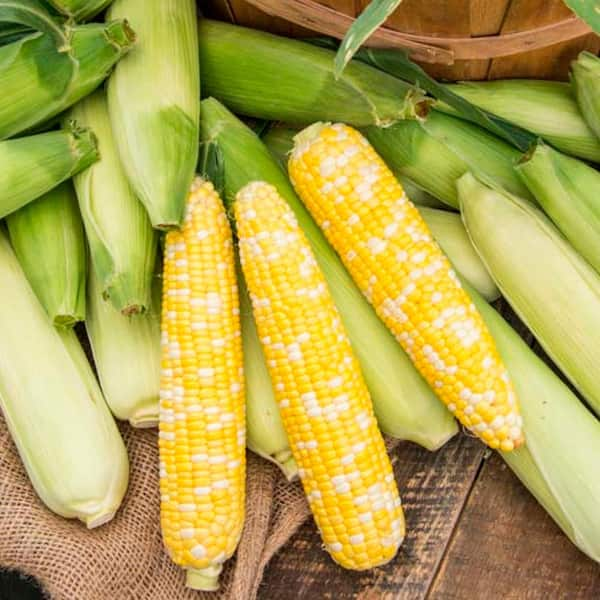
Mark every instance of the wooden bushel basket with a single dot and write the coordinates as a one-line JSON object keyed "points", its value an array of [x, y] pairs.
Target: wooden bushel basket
{"points": [[452, 39]]}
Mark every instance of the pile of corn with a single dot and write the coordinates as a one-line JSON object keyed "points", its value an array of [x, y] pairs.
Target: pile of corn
{"points": [[298, 293]]}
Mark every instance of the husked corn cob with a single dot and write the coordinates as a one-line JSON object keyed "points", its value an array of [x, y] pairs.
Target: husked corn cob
{"points": [[389, 251], [202, 421], [325, 405]]}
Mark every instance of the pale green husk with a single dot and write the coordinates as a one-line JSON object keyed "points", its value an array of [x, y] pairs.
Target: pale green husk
{"points": [[405, 406], [436, 151], [122, 241], [126, 353], [568, 190], [270, 77], [32, 166], [559, 461], [65, 434], [153, 103], [585, 82], [549, 285], [47, 237], [546, 108], [80, 9], [265, 434], [39, 79]]}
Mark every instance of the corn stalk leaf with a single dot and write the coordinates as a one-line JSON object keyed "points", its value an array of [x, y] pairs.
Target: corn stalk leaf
{"points": [[368, 21], [586, 10], [33, 13]]}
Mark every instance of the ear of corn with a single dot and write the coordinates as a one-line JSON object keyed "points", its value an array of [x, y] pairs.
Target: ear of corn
{"points": [[262, 75], [391, 255], [47, 236], [31, 166], [435, 152], [202, 421], [559, 464], [157, 133], [551, 287], [126, 353], [567, 189], [39, 79], [404, 405], [265, 434], [546, 108], [585, 82], [122, 242], [64, 432], [324, 402], [80, 9]]}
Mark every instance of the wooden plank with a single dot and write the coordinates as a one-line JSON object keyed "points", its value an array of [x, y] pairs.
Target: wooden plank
{"points": [[506, 546], [434, 489]]}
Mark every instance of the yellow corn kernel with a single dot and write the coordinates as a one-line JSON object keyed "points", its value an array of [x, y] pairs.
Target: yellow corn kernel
{"points": [[325, 405], [202, 418], [389, 251]]}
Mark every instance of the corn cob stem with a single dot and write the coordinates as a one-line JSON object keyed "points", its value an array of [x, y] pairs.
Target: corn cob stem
{"points": [[390, 253], [202, 421], [324, 403]]}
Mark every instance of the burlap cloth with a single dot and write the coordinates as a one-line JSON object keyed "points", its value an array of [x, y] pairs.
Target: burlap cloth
{"points": [[125, 559]]}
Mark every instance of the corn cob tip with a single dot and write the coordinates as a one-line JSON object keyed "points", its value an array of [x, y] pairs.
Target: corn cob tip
{"points": [[205, 580]]}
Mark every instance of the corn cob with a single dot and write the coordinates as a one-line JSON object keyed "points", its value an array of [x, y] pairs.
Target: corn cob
{"points": [[436, 151], [157, 134], [39, 79], [585, 82], [324, 402], [404, 404], [567, 190], [260, 75], [126, 353], [551, 287], [80, 10], [47, 236], [389, 251], [67, 439], [546, 108], [202, 423], [122, 242], [31, 166]]}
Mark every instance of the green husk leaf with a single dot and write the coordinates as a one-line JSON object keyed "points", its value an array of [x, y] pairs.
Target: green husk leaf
{"points": [[36, 15], [10, 33], [585, 82], [47, 237], [80, 10], [586, 10], [374, 15], [555, 292], [546, 108], [54, 410], [265, 76], [122, 242], [210, 165], [31, 166], [405, 406], [153, 103]]}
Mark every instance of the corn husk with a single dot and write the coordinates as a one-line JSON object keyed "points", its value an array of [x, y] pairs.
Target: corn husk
{"points": [[558, 464], [449, 232], [153, 104], [435, 152], [10, 32], [585, 82], [33, 165], [546, 108], [122, 241], [568, 190], [270, 77], [63, 430], [126, 353], [80, 10], [265, 434], [39, 79], [555, 292], [405, 406], [280, 142], [47, 237]]}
